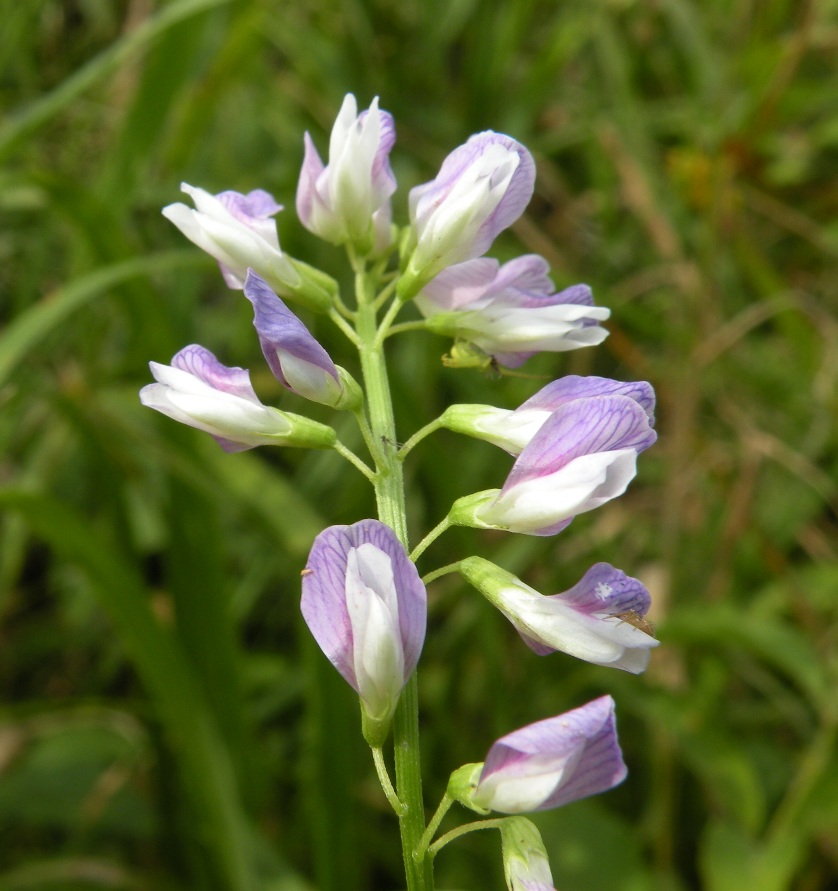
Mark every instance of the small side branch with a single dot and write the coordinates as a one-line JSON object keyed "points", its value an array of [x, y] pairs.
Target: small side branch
{"points": [[353, 459], [386, 783], [430, 538]]}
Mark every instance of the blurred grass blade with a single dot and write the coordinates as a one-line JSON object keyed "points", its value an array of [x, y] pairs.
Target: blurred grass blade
{"points": [[30, 327], [33, 116], [219, 821]]}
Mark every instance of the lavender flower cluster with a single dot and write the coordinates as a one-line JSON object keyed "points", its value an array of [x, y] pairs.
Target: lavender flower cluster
{"points": [[575, 442]]}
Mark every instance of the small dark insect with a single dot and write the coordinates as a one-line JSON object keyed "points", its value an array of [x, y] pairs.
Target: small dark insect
{"points": [[306, 572], [638, 621]]}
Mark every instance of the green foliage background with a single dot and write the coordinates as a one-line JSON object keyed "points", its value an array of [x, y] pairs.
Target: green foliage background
{"points": [[165, 720]]}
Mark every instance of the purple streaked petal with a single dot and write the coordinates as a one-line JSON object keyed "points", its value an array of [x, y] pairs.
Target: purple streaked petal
{"points": [[324, 603], [530, 272], [199, 361], [605, 590], [577, 295], [255, 205], [458, 287], [307, 191], [427, 201], [573, 386], [582, 427], [383, 178], [280, 330], [577, 753]]}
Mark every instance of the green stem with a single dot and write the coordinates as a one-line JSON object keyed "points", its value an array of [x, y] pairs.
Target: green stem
{"points": [[408, 326], [418, 436], [389, 495], [386, 782], [441, 811], [437, 846], [437, 573], [353, 459], [338, 318], [430, 538]]}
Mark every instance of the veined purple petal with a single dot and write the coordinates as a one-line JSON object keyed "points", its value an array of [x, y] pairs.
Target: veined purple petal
{"points": [[199, 361], [340, 200], [324, 603], [481, 189], [573, 386], [383, 178], [605, 590], [458, 287], [307, 191], [255, 205], [553, 762], [582, 427], [280, 331], [425, 198], [530, 273]]}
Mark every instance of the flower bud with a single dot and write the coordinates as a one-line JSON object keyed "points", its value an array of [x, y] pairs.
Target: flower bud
{"points": [[348, 200], [237, 230], [294, 356], [583, 455], [600, 619], [525, 863], [199, 391], [366, 606], [511, 312], [480, 190], [552, 763]]}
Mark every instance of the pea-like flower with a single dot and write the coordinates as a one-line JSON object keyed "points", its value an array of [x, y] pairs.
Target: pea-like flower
{"points": [[547, 764], [482, 188], [601, 619], [366, 606], [525, 863], [348, 200], [511, 312], [297, 360], [513, 430], [197, 390], [583, 455], [238, 230]]}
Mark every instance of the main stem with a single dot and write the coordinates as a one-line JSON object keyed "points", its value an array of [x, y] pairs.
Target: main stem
{"points": [[389, 495]]}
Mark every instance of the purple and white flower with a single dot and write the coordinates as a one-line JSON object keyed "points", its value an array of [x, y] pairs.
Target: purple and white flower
{"points": [[197, 390], [513, 430], [554, 762], [366, 606], [238, 230], [297, 360], [512, 311], [583, 455], [348, 200], [525, 863], [482, 188], [600, 619]]}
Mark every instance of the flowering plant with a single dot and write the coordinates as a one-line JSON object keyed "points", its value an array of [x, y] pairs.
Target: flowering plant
{"points": [[575, 443]]}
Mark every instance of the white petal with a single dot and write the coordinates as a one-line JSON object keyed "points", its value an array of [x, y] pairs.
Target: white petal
{"points": [[581, 485]]}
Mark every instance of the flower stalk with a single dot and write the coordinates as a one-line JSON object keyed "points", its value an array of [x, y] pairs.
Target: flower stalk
{"points": [[390, 501]]}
